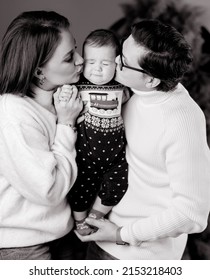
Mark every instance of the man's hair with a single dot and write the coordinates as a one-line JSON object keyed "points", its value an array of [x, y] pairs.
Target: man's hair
{"points": [[168, 55], [28, 43], [103, 37]]}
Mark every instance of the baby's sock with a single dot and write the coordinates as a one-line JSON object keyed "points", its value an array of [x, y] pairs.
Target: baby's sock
{"points": [[83, 228], [95, 214]]}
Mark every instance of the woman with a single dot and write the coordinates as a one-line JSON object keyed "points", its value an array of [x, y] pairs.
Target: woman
{"points": [[37, 136]]}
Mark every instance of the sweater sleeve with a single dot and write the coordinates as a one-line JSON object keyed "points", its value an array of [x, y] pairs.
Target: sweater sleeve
{"points": [[187, 159], [38, 172]]}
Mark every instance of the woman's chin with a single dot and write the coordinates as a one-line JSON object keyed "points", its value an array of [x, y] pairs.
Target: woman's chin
{"points": [[75, 79]]}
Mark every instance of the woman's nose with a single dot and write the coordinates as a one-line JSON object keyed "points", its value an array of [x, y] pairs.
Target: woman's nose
{"points": [[78, 60]]}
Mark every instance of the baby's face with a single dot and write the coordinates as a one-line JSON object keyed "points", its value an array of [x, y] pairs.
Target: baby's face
{"points": [[99, 64]]}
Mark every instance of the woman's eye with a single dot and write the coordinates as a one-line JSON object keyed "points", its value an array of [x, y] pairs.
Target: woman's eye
{"points": [[69, 59]]}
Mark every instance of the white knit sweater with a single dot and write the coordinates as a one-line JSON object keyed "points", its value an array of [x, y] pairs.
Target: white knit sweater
{"points": [[169, 176], [37, 169]]}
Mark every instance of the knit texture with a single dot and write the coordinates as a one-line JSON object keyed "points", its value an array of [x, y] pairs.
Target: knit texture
{"points": [[37, 169], [168, 195]]}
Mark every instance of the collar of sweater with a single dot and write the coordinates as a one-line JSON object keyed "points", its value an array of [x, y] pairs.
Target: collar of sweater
{"points": [[155, 96]]}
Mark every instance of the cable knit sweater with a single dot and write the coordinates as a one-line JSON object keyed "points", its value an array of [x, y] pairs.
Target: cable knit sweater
{"points": [[169, 176], [37, 168]]}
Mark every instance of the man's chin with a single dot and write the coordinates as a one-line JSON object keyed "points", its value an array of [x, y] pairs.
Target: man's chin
{"points": [[117, 79]]}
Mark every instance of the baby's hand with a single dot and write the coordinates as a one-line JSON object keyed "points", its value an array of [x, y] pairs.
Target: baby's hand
{"points": [[66, 92]]}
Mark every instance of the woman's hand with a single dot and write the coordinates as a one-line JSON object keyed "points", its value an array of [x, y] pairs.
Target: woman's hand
{"points": [[106, 231], [68, 104]]}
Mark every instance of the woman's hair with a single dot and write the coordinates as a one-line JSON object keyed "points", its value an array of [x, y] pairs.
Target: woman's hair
{"points": [[168, 55], [103, 37], [28, 43]]}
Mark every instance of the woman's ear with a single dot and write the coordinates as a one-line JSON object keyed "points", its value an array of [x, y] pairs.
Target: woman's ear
{"points": [[152, 82], [38, 73], [40, 76]]}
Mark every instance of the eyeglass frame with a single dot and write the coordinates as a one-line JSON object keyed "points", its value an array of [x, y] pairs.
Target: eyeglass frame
{"points": [[126, 66]]}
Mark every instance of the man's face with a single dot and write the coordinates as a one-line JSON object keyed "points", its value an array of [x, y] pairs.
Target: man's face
{"points": [[131, 54]]}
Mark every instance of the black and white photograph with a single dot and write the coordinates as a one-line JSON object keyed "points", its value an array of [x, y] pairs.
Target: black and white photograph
{"points": [[104, 136]]}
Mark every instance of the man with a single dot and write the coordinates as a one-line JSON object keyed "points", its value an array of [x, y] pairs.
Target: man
{"points": [[168, 195]]}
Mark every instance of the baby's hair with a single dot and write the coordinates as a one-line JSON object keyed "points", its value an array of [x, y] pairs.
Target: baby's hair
{"points": [[103, 37]]}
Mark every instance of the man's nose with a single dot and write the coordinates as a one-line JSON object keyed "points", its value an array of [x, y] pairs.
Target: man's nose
{"points": [[117, 59]]}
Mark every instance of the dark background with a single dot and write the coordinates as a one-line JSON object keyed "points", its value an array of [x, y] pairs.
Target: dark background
{"points": [[84, 15]]}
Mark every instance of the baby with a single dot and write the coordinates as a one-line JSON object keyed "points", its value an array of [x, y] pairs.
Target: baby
{"points": [[102, 167]]}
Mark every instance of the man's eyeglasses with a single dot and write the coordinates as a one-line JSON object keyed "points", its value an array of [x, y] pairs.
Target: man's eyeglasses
{"points": [[129, 67]]}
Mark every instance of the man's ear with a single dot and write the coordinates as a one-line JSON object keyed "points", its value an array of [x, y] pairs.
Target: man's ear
{"points": [[152, 82]]}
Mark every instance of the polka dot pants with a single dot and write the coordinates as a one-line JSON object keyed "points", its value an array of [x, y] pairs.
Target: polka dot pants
{"points": [[102, 167]]}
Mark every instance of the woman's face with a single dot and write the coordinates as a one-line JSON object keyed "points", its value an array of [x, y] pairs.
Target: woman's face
{"points": [[65, 66]]}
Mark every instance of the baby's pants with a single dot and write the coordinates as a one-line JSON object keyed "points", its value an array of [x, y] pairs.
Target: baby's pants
{"points": [[102, 167]]}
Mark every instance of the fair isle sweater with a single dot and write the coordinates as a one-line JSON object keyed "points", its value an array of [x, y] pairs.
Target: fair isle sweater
{"points": [[37, 169], [168, 195]]}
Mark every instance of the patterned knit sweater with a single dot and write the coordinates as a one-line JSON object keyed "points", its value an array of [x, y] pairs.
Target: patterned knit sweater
{"points": [[168, 195], [102, 104]]}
